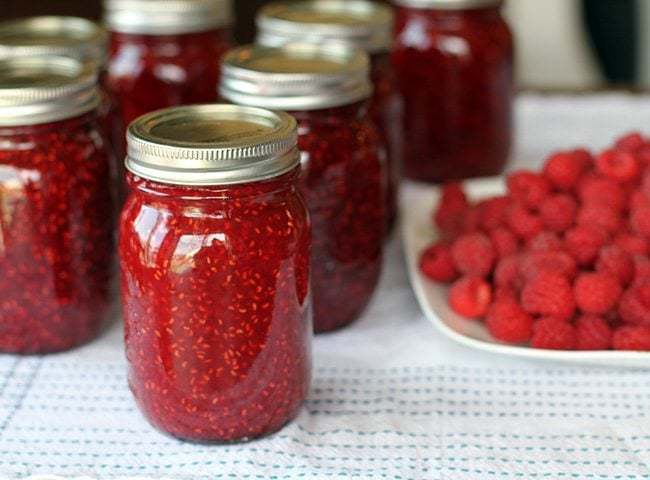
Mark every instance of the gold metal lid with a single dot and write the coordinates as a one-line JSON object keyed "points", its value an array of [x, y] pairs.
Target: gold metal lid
{"points": [[62, 36], [166, 17], [42, 89], [212, 145], [448, 4], [360, 23], [295, 77]]}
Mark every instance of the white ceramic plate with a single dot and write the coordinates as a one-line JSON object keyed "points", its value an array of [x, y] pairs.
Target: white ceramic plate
{"points": [[418, 202]]}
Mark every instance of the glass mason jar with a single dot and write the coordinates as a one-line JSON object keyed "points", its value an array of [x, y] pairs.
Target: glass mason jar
{"points": [[56, 244], [360, 24], [163, 53], [343, 171], [214, 257], [454, 63], [77, 38]]}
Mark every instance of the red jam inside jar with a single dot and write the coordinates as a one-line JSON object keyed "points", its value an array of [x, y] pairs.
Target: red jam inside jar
{"points": [[161, 57], [362, 24], [56, 245], [454, 69], [215, 275], [343, 174]]}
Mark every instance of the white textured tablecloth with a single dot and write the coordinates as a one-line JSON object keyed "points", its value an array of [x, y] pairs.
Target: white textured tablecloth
{"points": [[391, 398]]}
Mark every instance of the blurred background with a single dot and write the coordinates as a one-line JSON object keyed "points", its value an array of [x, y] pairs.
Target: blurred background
{"points": [[562, 44]]}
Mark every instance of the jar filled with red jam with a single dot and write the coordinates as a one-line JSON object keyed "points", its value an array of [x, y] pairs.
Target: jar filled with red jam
{"points": [[77, 38], [214, 257], [56, 245], [362, 24], [165, 53], [343, 175], [454, 64]]}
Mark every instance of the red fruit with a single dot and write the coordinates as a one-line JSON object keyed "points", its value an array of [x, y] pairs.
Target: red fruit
{"points": [[584, 243], [632, 244], [492, 212], [613, 260], [470, 297], [597, 293], [508, 322], [632, 338], [524, 223], [532, 263], [594, 333], [640, 221], [645, 187], [619, 165], [641, 269], [471, 222], [528, 188], [630, 142], [600, 216], [505, 294], [564, 169], [504, 241], [506, 273], [633, 307], [549, 294], [451, 208], [474, 254], [558, 212], [545, 242], [553, 334], [437, 263], [593, 189], [639, 199]]}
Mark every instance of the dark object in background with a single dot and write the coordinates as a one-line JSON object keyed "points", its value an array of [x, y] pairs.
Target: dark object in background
{"points": [[613, 27]]}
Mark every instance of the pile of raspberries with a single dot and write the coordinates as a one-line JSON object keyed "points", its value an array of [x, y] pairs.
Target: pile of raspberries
{"points": [[561, 260]]}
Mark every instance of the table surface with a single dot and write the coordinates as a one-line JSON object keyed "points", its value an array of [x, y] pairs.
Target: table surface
{"points": [[391, 398]]}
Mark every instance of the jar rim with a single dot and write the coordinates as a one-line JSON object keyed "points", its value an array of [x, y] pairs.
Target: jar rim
{"points": [[166, 17], [43, 89], [296, 77], [212, 144], [359, 23], [448, 4]]}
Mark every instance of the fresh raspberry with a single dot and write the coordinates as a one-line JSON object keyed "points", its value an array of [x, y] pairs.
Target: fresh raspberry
{"points": [[437, 263], [545, 242], [528, 187], [593, 189], [643, 154], [504, 242], [597, 293], [470, 297], [508, 322], [645, 190], [506, 274], [631, 243], [632, 308], [639, 199], [619, 165], [641, 269], [613, 260], [632, 337], [549, 294], [594, 333], [558, 212], [505, 294], [584, 243], [630, 142], [471, 222], [601, 216], [524, 223], [474, 254], [451, 208], [554, 334], [640, 221], [564, 169], [532, 263], [493, 212]]}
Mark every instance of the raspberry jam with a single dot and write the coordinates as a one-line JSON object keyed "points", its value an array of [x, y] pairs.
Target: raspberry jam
{"points": [[165, 53], [454, 68], [55, 215], [356, 23], [343, 170], [214, 250]]}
